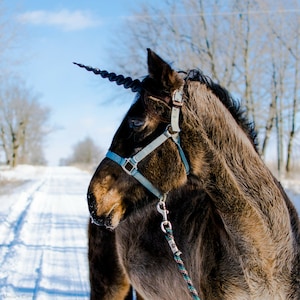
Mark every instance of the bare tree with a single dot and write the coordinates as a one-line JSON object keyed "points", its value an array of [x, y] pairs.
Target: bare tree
{"points": [[293, 119], [85, 153], [247, 46], [23, 125], [284, 109], [293, 48], [11, 34]]}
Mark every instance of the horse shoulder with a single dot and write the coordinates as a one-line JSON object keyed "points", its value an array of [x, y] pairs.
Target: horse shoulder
{"points": [[108, 280]]}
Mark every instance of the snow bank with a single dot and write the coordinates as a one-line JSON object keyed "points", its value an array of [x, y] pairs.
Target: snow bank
{"points": [[21, 172]]}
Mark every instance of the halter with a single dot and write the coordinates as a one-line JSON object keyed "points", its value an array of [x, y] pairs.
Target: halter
{"points": [[130, 164]]}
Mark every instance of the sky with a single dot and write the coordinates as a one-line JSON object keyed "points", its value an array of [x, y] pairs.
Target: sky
{"points": [[56, 33]]}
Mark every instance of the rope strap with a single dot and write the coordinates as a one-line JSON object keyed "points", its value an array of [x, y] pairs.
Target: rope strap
{"points": [[181, 267], [166, 227]]}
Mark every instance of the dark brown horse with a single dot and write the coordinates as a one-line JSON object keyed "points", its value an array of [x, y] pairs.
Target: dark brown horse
{"points": [[236, 228]]}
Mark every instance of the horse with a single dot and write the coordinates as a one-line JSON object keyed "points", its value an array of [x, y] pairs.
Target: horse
{"points": [[183, 167]]}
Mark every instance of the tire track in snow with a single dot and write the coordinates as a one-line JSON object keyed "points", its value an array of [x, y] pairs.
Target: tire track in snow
{"points": [[16, 223], [47, 248], [67, 243], [12, 225]]}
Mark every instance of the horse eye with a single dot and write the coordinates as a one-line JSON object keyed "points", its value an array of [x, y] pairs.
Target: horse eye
{"points": [[136, 123]]}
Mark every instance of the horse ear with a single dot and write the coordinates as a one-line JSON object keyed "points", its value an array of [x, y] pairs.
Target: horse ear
{"points": [[162, 72]]}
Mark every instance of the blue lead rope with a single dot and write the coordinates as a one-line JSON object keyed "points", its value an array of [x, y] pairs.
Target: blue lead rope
{"points": [[166, 228], [181, 267]]}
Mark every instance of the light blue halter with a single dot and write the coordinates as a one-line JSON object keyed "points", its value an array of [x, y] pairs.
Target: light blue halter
{"points": [[130, 164]]}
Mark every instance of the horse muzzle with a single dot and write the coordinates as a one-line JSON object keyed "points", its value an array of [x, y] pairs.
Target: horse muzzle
{"points": [[108, 218], [100, 221]]}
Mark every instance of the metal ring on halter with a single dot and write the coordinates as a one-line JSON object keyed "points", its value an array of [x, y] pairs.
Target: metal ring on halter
{"points": [[161, 208]]}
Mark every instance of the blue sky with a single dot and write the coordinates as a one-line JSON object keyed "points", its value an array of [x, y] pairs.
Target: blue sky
{"points": [[56, 33]]}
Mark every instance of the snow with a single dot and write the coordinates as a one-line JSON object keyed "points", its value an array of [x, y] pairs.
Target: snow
{"points": [[43, 232], [292, 188]]}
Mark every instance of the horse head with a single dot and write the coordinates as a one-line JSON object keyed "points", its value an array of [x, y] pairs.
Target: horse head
{"points": [[145, 146]]}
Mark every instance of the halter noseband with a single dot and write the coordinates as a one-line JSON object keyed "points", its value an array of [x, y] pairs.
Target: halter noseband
{"points": [[130, 164]]}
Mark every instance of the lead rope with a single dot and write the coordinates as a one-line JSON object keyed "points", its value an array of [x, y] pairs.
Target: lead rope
{"points": [[166, 228]]}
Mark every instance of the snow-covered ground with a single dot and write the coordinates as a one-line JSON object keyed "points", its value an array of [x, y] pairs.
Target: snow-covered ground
{"points": [[43, 232], [292, 187]]}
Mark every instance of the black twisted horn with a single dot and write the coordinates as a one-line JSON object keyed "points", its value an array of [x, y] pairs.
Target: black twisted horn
{"points": [[128, 82]]}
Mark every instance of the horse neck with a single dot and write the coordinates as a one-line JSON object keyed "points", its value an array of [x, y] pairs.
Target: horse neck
{"points": [[230, 170], [217, 137]]}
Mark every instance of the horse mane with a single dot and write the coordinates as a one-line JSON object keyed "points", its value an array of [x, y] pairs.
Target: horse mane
{"points": [[238, 112]]}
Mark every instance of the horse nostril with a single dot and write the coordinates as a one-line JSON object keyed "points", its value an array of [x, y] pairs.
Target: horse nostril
{"points": [[93, 210], [91, 201]]}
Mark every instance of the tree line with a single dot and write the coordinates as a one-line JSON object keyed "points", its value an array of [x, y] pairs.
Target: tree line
{"points": [[23, 124], [24, 128], [23, 118], [249, 47], [85, 154]]}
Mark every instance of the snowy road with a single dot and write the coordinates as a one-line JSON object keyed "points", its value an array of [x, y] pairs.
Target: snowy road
{"points": [[43, 238], [43, 233]]}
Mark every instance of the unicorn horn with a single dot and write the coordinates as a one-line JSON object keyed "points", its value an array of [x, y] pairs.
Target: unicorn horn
{"points": [[128, 82]]}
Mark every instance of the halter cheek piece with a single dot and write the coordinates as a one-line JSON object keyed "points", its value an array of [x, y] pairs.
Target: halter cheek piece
{"points": [[130, 164]]}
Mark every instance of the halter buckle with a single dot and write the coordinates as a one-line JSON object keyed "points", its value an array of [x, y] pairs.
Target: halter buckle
{"points": [[129, 166], [161, 208], [177, 98]]}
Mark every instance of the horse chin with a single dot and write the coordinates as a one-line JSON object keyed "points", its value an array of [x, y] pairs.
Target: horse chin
{"points": [[103, 222], [110, 222]]}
